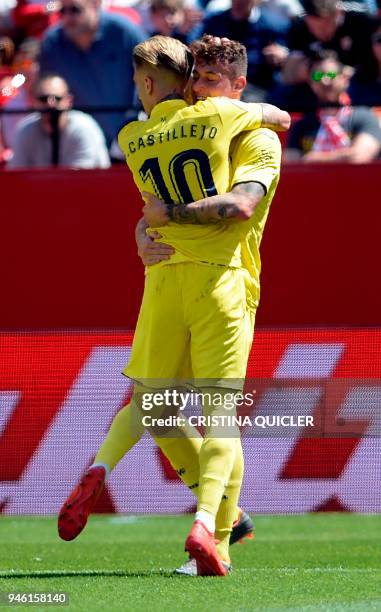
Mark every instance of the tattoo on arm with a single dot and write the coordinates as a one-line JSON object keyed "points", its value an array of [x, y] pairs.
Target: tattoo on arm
{"points": [[222, 212], [209, 210], [229, 207], [182, 213]]}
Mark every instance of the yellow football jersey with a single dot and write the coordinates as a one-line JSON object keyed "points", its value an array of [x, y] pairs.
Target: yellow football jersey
{"points": [[256, 156], [180, 154]]}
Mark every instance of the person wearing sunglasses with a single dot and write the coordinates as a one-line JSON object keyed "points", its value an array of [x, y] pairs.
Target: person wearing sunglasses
{"points": [[324, 24], [327, 24], [55, 134], [337, 131], [92, 50]]}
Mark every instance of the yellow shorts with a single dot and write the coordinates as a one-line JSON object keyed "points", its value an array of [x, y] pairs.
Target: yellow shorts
{"points": [[195, 324]]}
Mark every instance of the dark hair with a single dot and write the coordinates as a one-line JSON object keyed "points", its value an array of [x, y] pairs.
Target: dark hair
{"points": [[325, 54], [212, 49], [46, 76], [158, 5], [320, 8]]}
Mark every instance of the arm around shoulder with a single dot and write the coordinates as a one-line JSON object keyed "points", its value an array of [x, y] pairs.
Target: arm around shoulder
{"points": [[274, 118]]}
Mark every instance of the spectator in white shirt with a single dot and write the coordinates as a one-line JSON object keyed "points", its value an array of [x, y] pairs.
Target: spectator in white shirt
{"points": [[59, 135]]}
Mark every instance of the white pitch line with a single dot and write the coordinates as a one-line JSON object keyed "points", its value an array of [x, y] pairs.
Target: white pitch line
{"points": [[359, 570]]}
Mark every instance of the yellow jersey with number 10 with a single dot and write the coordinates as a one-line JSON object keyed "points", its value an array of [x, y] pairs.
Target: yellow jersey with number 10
{"points": [[181, 154]]}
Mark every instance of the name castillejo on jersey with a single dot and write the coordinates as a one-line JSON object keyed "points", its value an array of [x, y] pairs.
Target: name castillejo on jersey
{"points": [[198, 132]]}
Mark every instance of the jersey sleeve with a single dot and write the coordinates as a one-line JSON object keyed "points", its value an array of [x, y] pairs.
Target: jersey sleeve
{"points": [[256, 156], [237, 116]]}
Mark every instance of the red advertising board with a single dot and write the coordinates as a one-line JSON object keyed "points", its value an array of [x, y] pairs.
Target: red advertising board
{"points": [[60, 391], [69, 256]]}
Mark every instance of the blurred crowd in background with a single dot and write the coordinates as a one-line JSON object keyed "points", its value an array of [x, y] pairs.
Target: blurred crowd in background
{"points": [[304, 56]]}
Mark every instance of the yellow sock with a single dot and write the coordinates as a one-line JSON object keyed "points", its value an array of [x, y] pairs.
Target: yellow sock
{"points": [[183, 454], [228, 511], [217, 458], [125, 431], [181, 445]]}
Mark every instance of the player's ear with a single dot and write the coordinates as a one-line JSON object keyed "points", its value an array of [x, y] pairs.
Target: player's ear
{"points": [[148, 84], [239, 84], [188, 93]]}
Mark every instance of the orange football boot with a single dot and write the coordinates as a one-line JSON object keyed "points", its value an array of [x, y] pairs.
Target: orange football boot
{"points": [[74, 513], [201, 546]]}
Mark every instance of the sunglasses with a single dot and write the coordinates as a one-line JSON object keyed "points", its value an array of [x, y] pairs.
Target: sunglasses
{"points": [[44, 98], [317, 75], [74, 9], [376, 39]]}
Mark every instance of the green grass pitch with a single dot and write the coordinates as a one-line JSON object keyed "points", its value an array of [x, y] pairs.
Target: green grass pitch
{"points": [[311, 562]]}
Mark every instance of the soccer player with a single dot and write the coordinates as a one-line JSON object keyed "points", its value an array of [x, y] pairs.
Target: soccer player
{"points": [[161, 67], [191, 305], [220, 69]]}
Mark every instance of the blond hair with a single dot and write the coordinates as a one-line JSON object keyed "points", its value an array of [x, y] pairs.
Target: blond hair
{"points": [[164, 53]]}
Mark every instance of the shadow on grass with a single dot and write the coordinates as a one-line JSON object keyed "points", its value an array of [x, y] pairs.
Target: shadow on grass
{"points": [[88, 573]]}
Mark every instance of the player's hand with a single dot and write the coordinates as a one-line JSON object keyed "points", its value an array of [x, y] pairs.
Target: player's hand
{"points": [[155, 210], [150, 251]]}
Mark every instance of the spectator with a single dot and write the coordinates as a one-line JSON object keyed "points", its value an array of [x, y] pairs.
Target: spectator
{"points": [[337, 132], [69, 138], [122, 8], [283, 10], [178, 18], [365, 87], [169, 18], [166, 16], [263, 37], [24, 70], [326, 25], [33, 18], [92, 50]]}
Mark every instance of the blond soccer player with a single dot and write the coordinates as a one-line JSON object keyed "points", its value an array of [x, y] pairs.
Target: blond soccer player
{"points": [[161, 72], [220, 70]]}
